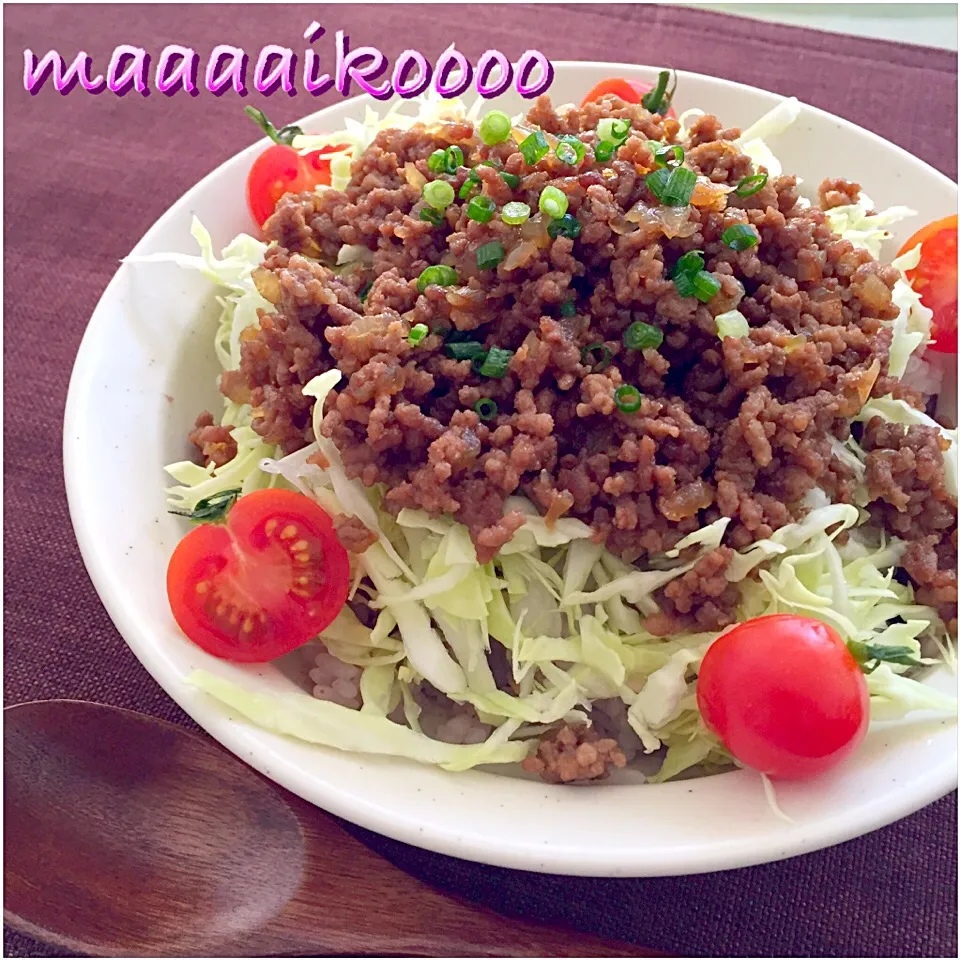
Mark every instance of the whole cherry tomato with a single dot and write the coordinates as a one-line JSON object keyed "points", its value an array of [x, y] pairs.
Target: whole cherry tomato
{"points": [[785, 695]]}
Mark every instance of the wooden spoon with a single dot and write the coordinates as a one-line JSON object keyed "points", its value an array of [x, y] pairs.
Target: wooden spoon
{"points": [[128, 836]]}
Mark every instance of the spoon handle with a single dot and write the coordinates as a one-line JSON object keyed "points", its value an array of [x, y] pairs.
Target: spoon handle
{"points": [[381, 910]]}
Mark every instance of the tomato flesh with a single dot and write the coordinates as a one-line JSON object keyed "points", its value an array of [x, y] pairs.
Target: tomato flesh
{"points": [[262, 584], [630, 91], [280, 170], [935, 279], [785, 695]]}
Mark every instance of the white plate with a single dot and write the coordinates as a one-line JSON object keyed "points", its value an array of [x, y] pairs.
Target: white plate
{"points": [[150, 339]]}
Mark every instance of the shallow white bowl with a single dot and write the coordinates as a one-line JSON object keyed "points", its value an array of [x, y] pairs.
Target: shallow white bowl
{"points": [[150, 340]]}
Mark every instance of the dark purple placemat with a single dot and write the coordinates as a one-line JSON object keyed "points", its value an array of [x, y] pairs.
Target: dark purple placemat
{"points": [[85, 176]]}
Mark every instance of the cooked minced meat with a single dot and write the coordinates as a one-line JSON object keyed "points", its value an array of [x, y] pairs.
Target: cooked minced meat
{"points": [[739, 428], [574, 752]]}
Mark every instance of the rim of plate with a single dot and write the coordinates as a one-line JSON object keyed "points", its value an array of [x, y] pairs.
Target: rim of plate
{"points": [[724, 853]]}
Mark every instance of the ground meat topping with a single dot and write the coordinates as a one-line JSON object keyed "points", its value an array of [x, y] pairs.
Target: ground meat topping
{"points": [[214, 442], [738, 428], [574, 752]]}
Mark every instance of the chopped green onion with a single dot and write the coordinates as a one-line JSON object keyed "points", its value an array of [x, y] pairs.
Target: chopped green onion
{"points": [[496, 362], [437, 161], [495, 127], [417, 333], [567, 226], [666, 155], [486, 408], [468, 185], [438, 193], [570, 149], [364, 290], [534, 148], [672, 187], [741, 236], [658, 100], [603, 151], [596, 355], [568, 308], [705, 286], [642, 336], [510, 179], [478, 361], [748, 186], [481, 209], [440, 274], [465, 351], [732, 324], [613, 131], [432, 215], [553, 202], [489, 255], [453, 159], [690, 263], [515, 213], [627, 398]]}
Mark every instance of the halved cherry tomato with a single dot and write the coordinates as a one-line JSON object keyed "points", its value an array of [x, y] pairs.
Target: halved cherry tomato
{"points": [[280, 169], [630, 91], [935, 279], [262, 584], [785, 695]]}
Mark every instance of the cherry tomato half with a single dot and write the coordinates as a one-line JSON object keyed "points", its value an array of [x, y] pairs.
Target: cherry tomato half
{"points": [[935, 279], [630, 91], [279, 170], [785, 695], [262, 584]]}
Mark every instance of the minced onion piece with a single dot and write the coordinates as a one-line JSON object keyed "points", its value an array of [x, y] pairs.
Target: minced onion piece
{"points": [[732, 324]]}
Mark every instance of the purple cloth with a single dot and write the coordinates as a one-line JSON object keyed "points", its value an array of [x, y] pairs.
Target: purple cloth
{"points": [[86, 176]]}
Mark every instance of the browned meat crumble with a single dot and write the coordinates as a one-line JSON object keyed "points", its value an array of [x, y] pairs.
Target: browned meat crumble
{"points": [[737, 428]]}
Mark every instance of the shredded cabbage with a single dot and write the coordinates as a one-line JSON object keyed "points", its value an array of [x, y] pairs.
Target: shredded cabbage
{"points": [[865, 229]]}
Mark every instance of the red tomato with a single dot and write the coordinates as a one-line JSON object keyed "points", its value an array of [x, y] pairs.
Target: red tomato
{"points": [[785, 695], [262, 584], [279, 170], [935, 279], [630, 91]]}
